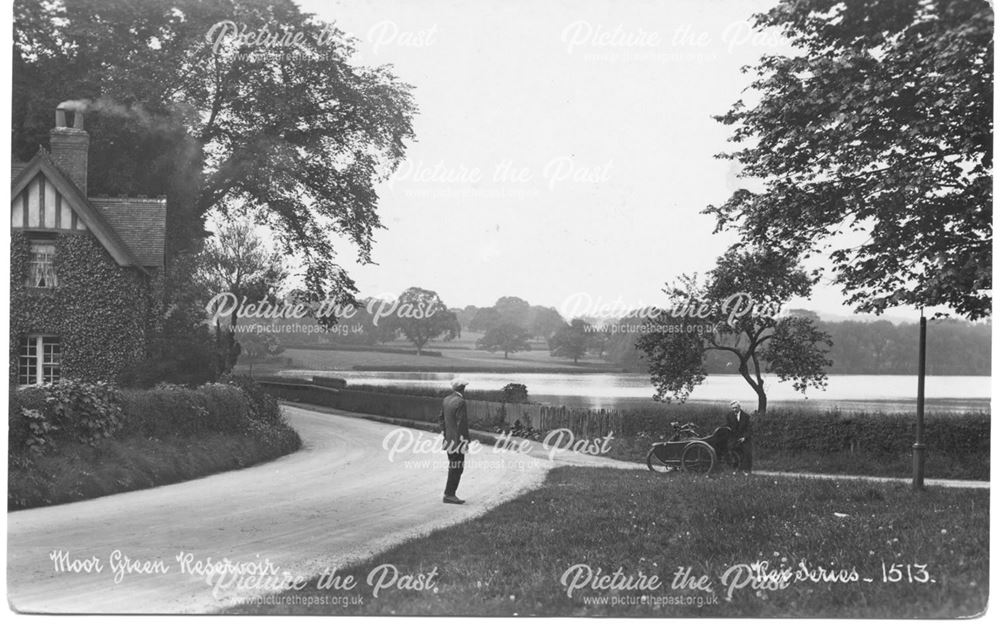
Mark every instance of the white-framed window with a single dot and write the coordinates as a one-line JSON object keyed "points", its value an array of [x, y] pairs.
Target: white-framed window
{"points": [[41, 265], [39, 359]]}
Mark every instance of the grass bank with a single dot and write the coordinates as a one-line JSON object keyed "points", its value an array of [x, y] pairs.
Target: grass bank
{"points": [[111, 466], [778, 538]]}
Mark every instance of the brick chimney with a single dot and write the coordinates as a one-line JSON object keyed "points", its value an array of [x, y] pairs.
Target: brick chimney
{"points": [[69, 146]]}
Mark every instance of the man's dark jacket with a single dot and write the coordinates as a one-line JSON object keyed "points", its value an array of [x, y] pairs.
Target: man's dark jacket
{"points": [[456, 424], [739, 423]]}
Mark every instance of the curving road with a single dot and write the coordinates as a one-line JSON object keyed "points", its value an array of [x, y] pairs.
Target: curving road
{"points": [[337, 500]]}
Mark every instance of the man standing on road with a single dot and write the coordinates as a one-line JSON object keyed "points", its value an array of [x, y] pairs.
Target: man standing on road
{"points": [[739, 422], [456, 438]]}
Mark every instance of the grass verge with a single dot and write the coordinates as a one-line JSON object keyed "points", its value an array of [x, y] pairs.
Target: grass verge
{"points": [[900, 465], [78, 471], [512, 561], [878, 464]]}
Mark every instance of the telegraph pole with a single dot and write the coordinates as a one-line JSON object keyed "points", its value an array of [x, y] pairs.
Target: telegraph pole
{"points": [[919, 447]]}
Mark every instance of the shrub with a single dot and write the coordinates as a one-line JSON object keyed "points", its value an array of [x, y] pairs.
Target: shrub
{"points": [[25, 409], [263, 406], [515, 393], [88, 411], [40, 417], [37, 433], [228, 408], [267, 423], [64, 435], [82, 411], [165, 411], [189, 360]]}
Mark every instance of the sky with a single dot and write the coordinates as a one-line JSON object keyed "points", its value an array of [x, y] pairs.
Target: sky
{"points": [[564, 149]]}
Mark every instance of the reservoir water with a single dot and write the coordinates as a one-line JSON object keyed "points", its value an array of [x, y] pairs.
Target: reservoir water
{"points": [[619, 390]]}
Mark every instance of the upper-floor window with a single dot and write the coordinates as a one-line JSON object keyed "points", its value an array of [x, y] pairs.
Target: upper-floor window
{"points": [[41, 265], [39, 360]]}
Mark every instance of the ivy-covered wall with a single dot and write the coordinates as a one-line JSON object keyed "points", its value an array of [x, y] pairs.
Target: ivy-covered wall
{"points": [[102, 312]]}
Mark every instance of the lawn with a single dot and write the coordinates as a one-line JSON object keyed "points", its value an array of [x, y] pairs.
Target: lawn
{"points": [[450, 360], [590, 541], [456, 355]]}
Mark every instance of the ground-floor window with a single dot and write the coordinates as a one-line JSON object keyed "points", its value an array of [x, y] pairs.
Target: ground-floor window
{"points": [[39, 359]]}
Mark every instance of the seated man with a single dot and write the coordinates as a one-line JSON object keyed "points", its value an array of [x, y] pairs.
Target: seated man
{"points": [[739, 422]]}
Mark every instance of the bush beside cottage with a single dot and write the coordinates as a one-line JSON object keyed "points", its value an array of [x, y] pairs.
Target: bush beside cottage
{"points": [[77, 440]]}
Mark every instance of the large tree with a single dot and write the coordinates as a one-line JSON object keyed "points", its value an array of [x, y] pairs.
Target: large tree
{"points": [[297, 137], [571, 341], [237, 262], [880, 126], [545, 321], [422, 316], [514, 311], [505, 337], [484, 318], [737, 310], [255, 347], [507, 310]]}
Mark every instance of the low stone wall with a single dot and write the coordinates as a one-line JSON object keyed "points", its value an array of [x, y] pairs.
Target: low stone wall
{"points": [[583, 421], [401, 406], [384, 404]]}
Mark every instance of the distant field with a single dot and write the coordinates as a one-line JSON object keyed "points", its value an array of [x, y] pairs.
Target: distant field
{"points": [[325, 359], [456, 355]]}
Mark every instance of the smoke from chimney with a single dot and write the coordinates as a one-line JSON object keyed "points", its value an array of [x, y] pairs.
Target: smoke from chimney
{"points": [[69, 144], [74, 105]]}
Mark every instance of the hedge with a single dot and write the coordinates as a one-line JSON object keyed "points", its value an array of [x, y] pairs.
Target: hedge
{"points": [[792, 430], [41, 418], [872, 432]]}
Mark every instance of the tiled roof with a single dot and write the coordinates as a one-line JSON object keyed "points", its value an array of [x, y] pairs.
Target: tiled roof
{"points": [[93, 218], [141, 223]]}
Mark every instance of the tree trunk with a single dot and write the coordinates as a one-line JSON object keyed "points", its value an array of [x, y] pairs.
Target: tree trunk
{"points": [[759, 388], [504, 355], [758, 385], [761, 402]]}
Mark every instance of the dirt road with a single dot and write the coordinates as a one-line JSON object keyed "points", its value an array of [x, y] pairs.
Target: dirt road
{"points": [[337, 500]]}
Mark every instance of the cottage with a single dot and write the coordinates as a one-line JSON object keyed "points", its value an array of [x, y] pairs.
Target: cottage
{"points": [[86, 272]]}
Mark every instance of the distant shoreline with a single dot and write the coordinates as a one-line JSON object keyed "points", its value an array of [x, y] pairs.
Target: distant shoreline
{"points": [[932, 405], [557, 370]]}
